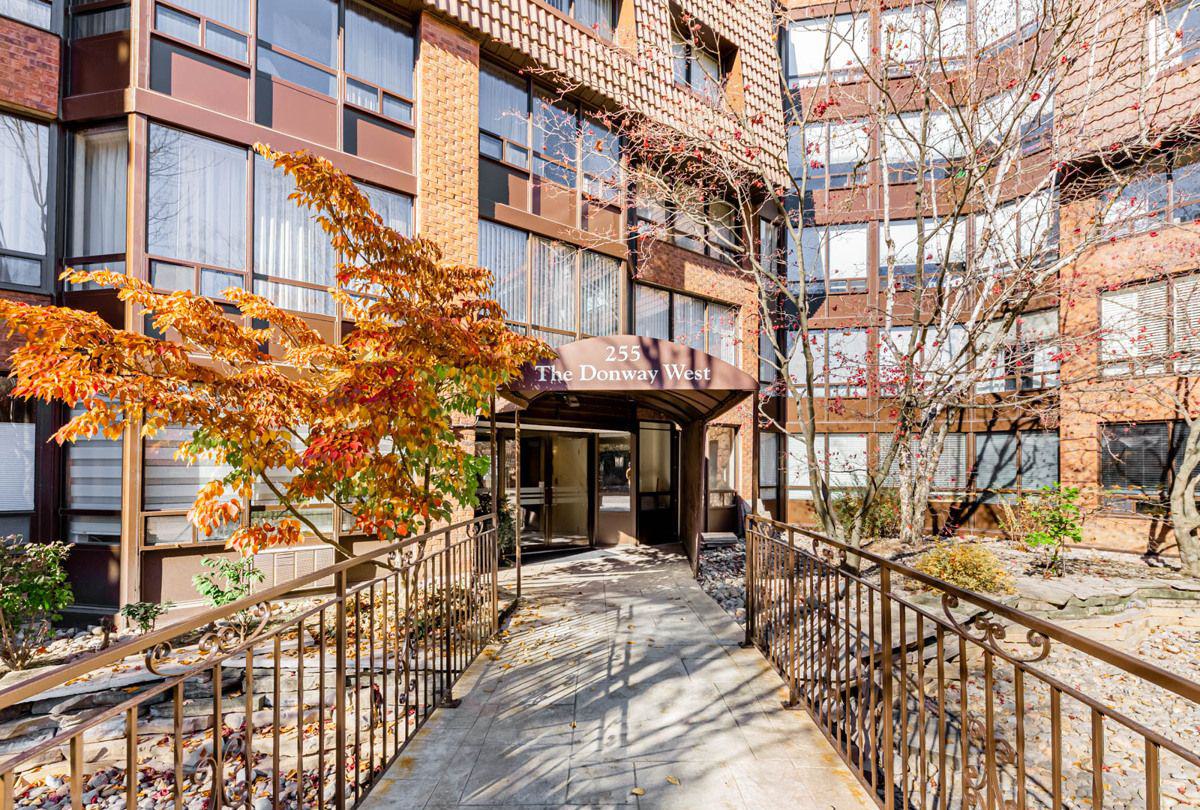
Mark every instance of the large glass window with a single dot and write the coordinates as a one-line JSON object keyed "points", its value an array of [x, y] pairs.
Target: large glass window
{"points": [[599, 16], [722, 458], [558, 291], [1165, 193], [839, 361], [951, 471], [940, 248], [705, 325], [841, 457], [1138, 463], [98, 177], [169, 487], [555, 140], [1007, 464], [834, 154], [503, 116], [835, 258], [88, 22], [1026, 357], [697, 65], [24, 189], [93, 497], [380, 55], [196, 211], [601, 162], [836, 47], [34, 12], [1174, 35], [652, 310], [297, 42], [768, 465], [221, 26], [18, 466]]}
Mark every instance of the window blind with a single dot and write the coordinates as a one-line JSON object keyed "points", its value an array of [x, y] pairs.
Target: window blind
{"points": [[689, 327], [1039, 458], [17, 440], [601, 294], [553, 284], [1135, 456], [652, 312], [995, 461], [503, 251]]}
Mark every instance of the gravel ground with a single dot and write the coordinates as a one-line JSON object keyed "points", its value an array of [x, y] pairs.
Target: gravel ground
{"points": [[722, 572]]}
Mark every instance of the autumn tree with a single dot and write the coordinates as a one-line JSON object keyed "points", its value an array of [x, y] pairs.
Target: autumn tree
{"points": [[954, 139], [365, 424]]}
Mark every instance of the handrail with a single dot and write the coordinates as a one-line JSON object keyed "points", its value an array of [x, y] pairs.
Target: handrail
{"points": [[59, 675], [1157, 675]]}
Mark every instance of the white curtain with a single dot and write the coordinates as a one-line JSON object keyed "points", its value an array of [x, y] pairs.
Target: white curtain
{"points": [[554, 289], [196, 199], [394, 208], [379, 49], [601, 294], [689, 321], [289, 244], [723, 337], [504, 251], [847, 251], [34, 12], [98, 193], [504, 105], [234, 13], [652, 310], [24, 168]]}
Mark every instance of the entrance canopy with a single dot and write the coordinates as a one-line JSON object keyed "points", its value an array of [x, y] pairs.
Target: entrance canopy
{"points": [[685, 383]]}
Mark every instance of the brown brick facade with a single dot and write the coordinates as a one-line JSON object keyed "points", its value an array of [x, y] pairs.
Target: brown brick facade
{"points": [[29, 68]]}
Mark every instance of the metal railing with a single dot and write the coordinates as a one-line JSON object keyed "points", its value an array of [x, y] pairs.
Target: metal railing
{"points": [[284, 696], [938, 697]]}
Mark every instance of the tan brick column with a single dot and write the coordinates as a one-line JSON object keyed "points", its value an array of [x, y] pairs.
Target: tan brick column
{"points": [[448, 139]]}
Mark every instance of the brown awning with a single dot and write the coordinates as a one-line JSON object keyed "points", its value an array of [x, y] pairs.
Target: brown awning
{"points": [[678, 380]]}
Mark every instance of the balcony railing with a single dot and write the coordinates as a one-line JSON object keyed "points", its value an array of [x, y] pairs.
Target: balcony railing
{"points": [[937, 697], [301, 694]]}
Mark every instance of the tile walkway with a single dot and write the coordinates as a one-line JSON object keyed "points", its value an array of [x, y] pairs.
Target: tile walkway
{"points": [[619, 672]]}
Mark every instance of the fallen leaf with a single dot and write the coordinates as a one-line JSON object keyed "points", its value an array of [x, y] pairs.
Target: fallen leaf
{"points": [[674, 780], [638, 791]]}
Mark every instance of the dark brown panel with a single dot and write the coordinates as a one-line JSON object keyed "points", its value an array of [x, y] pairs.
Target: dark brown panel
{"points": [[603, 220], [100, 63], [303, 113], [95, 573], [554, 202], [200, 79], [374, 139]]}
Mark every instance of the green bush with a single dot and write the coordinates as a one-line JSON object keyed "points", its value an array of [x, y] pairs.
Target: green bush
{"points": [[146, 614], [33, 589], [967, 565], [228, 581], [1054, 519], [883, 515]]}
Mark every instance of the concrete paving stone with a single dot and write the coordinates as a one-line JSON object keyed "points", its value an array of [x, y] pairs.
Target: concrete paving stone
{"points": [[701, 784], [519, 774], [601, 782]]}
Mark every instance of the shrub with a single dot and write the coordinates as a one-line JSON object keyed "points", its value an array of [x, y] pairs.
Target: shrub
{"points": [[229, 580], [33, 588], [883, 515], [967, 565], [1055, 519], [145, 614]]}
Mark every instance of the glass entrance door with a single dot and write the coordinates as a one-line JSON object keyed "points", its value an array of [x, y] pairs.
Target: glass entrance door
{"points": [[568, 496], [657, 508]]}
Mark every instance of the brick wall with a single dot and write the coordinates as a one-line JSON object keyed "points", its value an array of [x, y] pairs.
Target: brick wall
{"points": [[448, 122], [8, 344], [29, 66]]}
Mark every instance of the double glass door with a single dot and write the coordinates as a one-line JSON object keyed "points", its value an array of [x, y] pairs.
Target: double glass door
{"points": [[555, 486]]}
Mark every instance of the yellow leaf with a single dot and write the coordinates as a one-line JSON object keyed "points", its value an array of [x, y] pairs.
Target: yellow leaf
{"points": [[638, 791], [674, 780]]}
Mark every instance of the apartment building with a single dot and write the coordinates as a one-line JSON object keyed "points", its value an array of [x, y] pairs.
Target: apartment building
{"points": [[126, 131], [1072, 401]]}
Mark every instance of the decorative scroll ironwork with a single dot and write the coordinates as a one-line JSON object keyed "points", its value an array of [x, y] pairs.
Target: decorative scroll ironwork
{"points": [[980, 778], [219, 640], [992, 632]]}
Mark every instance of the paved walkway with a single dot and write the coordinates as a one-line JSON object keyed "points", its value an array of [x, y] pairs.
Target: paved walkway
{"points": [[619, 673]]}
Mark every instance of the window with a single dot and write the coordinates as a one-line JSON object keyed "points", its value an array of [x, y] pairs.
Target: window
{"points": [[555, 140], [951, 471], [704, 325], [722, 462], [933, 140], [1151, 328], [835, 258], [503, 116], [196, 212], [293, 257], [1007, 464], [34, 12], [838, 47], [939, 352], [1017, 232], [1002, 23], [220, 26], [839, 361], [696, 62], [601, 162], [841, 457], [768, 466], [652, 312], [917, 35], [834, 154], [98, 175], [87, 22], [169, 487], [380, 55], [24, 180], [768, 247], [1027, 357], [18, 461], [944, 252], [1138, 463], [599, 16], [297, 42], [1164, 195], [1174, 35], [93, 497], [557, 291]]}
